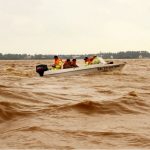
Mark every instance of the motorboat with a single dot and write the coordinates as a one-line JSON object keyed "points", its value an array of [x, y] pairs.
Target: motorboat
{"points": [[43, 70]]}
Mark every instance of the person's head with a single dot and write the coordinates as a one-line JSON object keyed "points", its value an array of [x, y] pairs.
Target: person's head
{"points": [[68, 60], [86, 58], [55, 57], [74, 60]]}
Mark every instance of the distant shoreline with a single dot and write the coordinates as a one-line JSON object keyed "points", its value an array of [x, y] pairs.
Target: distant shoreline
{"points": [[108, 55]]}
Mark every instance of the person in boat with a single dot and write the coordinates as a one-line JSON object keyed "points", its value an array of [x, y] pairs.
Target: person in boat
{"points": [[57, 63], [87, 61], [92, 60], [95, 60], [74, 63], [67, 64]]}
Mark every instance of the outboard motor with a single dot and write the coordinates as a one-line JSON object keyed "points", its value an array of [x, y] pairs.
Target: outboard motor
{"points": [[41, 68]]}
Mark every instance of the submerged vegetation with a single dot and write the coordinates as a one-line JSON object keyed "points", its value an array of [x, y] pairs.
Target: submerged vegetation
{"points": [[107, 55]]}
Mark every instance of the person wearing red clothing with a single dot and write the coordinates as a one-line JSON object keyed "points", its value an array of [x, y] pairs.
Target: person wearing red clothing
{"points": [[67, 64], [74, 63], [88, 61]]}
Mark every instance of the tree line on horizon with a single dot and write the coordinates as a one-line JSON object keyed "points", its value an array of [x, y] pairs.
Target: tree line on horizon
{"points": [[106, 55]]}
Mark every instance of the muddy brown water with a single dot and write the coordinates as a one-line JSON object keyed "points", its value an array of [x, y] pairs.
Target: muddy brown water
{"points": [[99, 111]]}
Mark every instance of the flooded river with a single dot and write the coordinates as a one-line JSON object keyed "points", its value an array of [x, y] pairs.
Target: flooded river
{"points": [[99, 111]]}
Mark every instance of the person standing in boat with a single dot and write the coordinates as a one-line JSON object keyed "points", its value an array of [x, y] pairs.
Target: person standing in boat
{"points": [[95, 60], [67, 64], [74, 63], [57, 63]]}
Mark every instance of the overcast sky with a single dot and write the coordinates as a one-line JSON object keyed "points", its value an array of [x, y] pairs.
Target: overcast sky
{"points": [[74, 26]]}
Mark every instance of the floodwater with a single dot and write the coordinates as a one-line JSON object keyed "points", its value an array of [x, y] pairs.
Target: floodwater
{"points": [[99, 111]]}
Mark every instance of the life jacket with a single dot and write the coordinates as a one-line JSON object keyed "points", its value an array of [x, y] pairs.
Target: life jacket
{"points": [[58, 62], [96, 60], [88, 61]]}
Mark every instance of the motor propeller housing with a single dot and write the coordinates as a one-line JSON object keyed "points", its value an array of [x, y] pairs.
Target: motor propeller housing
{"points": [[41, 68]]}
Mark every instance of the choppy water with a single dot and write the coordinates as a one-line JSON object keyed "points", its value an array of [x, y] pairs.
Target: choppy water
{"points": [[98, 111]]}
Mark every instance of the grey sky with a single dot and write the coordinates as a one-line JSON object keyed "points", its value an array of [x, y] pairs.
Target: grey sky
{"points": [[74, 26]]}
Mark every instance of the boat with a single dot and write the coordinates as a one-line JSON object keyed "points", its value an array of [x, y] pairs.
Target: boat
{"points": [[86, 70]]}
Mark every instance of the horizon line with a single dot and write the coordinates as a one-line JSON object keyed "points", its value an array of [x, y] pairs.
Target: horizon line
{"points": [[78, 54]]}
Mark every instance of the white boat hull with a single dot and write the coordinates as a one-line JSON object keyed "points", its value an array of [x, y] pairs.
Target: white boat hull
{"points": [[91, 69]]}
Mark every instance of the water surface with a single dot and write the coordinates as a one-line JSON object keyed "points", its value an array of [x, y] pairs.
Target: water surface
{"points": [[109, 110]]}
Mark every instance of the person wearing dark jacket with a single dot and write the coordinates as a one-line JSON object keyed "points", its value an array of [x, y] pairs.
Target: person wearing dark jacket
{"points": [[74, 63], [67, 64]]}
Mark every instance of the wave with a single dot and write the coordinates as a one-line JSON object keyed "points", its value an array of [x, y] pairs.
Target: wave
{"points": [[128, 104], [10, 110], [130, 138], [27, 97], [12, 70]]}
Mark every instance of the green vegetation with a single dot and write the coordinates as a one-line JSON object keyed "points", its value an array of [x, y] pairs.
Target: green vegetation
{"points": [[118, 55]]}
